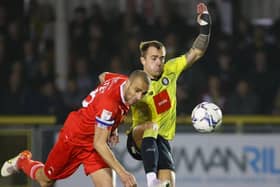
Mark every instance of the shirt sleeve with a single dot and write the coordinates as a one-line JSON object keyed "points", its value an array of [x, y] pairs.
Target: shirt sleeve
{"points": [[177, 64], [105, 117], [110, 75]]}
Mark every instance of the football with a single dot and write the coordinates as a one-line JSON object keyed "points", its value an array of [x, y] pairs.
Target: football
{"points": [[206, 117]]}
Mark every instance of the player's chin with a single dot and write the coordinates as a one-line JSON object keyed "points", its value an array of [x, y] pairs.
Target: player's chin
{"points": [[156, 74], [159, 71], [133, 101]]}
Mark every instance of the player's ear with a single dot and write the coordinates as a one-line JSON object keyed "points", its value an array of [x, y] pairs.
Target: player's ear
{"points": [[142, 59], [128, 83]]}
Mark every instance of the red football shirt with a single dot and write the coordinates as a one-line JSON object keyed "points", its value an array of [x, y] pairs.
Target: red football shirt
{"points": [[110, 75], [104, 107]]}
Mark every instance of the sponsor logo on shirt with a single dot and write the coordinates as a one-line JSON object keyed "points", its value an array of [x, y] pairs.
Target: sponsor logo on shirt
{"points": [[162, 101], [106, 115]]}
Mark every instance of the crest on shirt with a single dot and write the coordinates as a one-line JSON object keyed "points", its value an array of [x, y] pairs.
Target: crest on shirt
{"points": [[151, 93], [106, 115], [165, 81]]}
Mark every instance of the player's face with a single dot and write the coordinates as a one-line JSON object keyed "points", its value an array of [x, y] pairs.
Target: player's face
{"points": [[153, 62], [135, 91]]}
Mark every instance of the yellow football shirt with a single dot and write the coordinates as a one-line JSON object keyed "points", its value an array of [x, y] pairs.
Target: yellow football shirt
{"points": [[159, 104]]}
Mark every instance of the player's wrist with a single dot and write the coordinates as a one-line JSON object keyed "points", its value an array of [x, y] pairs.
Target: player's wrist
{"points": [[122, 173], [204, 22]]}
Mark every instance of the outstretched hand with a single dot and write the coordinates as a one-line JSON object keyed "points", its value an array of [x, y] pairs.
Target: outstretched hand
{"points": [[203, 17], [128, 180], [113, 140], [200, 8]]}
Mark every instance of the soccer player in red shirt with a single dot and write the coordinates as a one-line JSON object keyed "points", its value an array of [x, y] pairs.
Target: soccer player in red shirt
{"points": [[85, 136]]}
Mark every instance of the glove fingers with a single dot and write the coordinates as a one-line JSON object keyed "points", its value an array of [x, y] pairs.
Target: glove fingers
{"points": [[201, 7]]}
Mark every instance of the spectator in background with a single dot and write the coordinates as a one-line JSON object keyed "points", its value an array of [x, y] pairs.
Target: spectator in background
{"points": [[13, 96], [51, 101], [30, 59], [95, 31], [97, 17], [14, 41], [168, 21], [184, 105], [83, 77], [260, 78], [72, 96], [47, 18], [217, 22], [276, 103], [276, 48], [96, 57], [79, 31], [214, 92], [130, 53], [117, 66], [242, 100], [44, 72], [222, 47], [225, 72], [3, 60], [260, 41], [243, 36], [242, 40], [3, 19], [171, 45]]}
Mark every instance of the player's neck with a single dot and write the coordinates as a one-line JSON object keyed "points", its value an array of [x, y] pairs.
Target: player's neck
{"points": [[155, 78]]}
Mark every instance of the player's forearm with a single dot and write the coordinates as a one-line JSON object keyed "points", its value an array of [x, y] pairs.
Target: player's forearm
{"points": [[202, 40], [201, 43], [108, 156]]}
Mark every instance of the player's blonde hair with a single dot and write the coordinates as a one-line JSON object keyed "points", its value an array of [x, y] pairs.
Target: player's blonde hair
{"points": [[143, 47]]}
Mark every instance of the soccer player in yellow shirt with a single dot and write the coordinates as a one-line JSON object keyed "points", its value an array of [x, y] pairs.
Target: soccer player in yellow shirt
{"points": [[154, 116]]}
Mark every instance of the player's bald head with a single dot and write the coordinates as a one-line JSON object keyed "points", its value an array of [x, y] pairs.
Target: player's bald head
{"points": [[137, 86], [139, 74]]}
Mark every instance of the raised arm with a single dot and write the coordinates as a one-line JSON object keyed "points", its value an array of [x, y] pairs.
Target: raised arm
{"points": [[101, 77], [109, 75], [200, 44]]}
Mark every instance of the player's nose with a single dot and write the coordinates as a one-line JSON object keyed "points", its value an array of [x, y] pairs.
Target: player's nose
{"points": [[158, 61]]}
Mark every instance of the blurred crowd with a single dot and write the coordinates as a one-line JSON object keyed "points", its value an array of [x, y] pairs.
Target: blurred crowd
{"points": [[239, 72]]}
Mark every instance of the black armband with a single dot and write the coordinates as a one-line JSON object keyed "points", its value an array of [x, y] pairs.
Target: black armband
{"points": [[205, 24]]}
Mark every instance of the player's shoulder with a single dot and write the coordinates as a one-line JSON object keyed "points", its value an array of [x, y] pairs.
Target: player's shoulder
{"points": [[175, 60], [117, 81], [109, 101], [112, 88], [110, 75], [114, 82], [176, 65]]}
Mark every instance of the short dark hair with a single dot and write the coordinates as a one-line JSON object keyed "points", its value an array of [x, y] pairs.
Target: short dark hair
{"points": [[146, 44]]}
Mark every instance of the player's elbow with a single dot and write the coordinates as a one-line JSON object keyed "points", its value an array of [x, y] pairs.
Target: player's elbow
{"points": [[193, 55], [101, 77], [96, 142], [199, 54]]}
